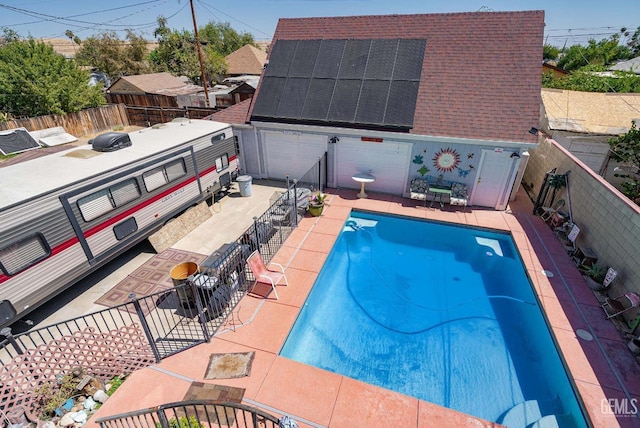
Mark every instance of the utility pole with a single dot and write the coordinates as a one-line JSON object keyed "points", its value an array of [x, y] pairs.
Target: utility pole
{"points": [[202, 74]]}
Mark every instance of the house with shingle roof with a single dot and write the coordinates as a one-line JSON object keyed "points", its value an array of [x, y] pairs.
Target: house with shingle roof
{"points": [[246, 60], [450, 96], [156, 90]]}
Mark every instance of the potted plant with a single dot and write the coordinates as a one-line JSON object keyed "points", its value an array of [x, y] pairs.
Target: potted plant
{"points": [[594, 275], [316, 203]]}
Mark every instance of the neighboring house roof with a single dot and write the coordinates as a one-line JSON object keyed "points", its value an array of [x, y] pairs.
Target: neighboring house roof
{"points": [[235, 115], [155, 83], [590, 112], [479, 76], [632, 65], [557, 71], [246, 60]]}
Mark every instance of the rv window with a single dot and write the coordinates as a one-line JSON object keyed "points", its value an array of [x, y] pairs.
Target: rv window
{"points": [[22, 254], [217, 138], [106, 200], [222, 162], [95, 205], [125, 192], [164, 174]]}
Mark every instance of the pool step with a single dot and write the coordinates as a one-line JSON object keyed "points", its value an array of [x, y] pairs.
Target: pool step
{"points": [[553, 421], [522, 414], [530, 414]]}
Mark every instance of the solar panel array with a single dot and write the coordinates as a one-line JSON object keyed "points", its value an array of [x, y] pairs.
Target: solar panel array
{"points": [[368, 83], [16, 141]]}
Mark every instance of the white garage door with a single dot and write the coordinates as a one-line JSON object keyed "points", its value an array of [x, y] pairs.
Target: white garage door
{"points": [[292, 154], [387, 161]]}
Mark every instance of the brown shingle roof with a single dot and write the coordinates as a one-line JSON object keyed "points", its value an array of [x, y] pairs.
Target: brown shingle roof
{"points": [[236, 114], [480, 74], [154, 83], [246, 60]]}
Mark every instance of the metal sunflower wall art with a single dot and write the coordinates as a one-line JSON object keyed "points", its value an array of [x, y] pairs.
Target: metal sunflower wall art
{"points": [[446, 160]]}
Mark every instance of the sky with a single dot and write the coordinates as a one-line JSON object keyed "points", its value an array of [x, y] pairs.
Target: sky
{"points": [[568, 22]]}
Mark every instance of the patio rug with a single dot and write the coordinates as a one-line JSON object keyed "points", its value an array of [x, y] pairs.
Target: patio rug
{"points": [[221, 393], [230, 365], [152, 277]]}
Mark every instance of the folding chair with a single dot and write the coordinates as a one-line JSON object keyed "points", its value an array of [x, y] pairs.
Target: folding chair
{"points": [[620, 305], [263, 274]]}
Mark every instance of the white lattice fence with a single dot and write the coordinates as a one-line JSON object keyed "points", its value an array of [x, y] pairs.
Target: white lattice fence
{"points": [[103, 355]]}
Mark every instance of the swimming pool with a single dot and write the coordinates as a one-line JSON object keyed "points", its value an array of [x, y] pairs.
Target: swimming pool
{"points": [[440, 312]]}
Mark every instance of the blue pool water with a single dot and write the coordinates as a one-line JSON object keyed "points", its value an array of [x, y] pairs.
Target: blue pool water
{"points": [[439, 312]]}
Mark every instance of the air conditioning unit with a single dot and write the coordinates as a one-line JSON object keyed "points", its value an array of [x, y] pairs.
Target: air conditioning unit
{"points": [[110, 141]]}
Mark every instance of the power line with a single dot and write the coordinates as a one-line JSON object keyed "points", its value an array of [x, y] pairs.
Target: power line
{"points": [[49, 18], [235, 19], [94, 26]]}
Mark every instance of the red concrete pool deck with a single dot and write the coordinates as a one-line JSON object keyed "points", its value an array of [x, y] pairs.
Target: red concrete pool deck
{"points": [[602, 369]]}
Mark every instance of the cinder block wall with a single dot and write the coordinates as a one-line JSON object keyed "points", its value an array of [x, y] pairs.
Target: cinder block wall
{"points": [[609, 222]]}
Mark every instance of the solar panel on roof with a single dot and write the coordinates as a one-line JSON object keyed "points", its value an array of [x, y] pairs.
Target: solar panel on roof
{"points": [[316, 105], [344, 101], [368, 83], [304, 59], [402, 103], [16, 141], [408, 64], [270, 92], [379, 65], [373, 101], [354, 59], [280, 58], [329, 58], [293, 96]]}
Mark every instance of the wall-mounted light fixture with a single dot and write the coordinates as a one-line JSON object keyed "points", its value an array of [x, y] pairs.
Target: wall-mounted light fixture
{"points": [[515, 155], [333, 140], [533, 131]]}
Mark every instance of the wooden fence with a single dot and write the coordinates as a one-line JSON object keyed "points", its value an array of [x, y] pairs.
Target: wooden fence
{"points": [[85, 122], [147, 116], [105, 118]]}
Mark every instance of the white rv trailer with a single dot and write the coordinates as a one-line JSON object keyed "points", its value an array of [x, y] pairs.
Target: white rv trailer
{"points": [[64, 215]]}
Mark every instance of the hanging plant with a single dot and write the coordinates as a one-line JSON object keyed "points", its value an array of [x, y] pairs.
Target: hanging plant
{"points": [[557, 181]]}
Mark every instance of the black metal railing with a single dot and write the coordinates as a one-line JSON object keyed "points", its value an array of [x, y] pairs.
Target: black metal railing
{"points": [[193, 414]]}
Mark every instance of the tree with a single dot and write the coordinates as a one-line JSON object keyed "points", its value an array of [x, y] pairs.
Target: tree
{"points": [[603, 53], [176, 52], [35, 80], [550, 52], [633, 41], [115, 57], [590, 79], [223, 39], [626, 148]]}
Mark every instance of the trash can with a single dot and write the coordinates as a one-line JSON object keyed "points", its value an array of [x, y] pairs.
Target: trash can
{"points": [[179, 274], [244, 182]]}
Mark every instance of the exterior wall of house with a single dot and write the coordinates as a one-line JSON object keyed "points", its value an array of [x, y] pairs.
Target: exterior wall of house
{"points": [[249, 151], [609, 221], [258, 143]]}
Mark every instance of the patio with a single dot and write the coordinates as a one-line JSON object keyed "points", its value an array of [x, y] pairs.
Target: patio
{"points": [[602, 369]]}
